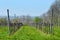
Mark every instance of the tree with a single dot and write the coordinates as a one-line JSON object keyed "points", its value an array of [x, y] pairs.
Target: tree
{"points": [[56, 12], [37, 20]]}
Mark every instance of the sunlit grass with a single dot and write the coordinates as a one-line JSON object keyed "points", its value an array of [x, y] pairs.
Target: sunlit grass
{"points": [[28, 33]]}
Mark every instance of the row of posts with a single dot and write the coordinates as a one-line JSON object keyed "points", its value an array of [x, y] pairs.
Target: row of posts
{"points": [[9, 23], [51, 27], [51, 23]]}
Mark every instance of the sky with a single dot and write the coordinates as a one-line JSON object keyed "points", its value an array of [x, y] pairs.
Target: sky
{"points": [[25, 7]]}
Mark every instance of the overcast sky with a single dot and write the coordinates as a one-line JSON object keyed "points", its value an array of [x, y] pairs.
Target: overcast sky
{"points": [[25, 7]]}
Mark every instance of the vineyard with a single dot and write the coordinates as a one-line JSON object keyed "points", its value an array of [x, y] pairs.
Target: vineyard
{"points": [[28, 33], [30, 20]]}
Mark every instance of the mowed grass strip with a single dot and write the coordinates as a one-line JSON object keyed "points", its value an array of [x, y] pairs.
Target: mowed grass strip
{"points": [[28, 33]]}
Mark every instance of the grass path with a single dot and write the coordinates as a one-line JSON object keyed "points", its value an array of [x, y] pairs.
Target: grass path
{"points": [[28, 33]]}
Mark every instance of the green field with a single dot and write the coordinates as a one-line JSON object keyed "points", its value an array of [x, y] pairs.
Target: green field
{"points": [[28, 33]]}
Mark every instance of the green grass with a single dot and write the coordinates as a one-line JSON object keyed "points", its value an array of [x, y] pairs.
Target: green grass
{"points": [[28, 33], [3, 32]]}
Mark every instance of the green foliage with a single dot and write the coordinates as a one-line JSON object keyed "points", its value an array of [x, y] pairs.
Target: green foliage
{"points": [[3, 32], [28, 33], [37, 19]]}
